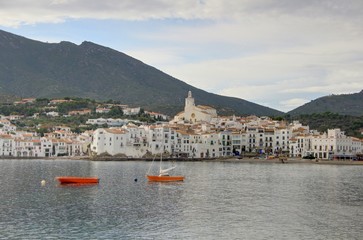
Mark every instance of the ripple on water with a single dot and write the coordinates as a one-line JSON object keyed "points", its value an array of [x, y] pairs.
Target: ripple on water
{"points": [[216, 201]]}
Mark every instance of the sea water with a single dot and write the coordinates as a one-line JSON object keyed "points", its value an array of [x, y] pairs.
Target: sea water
{"points": [[217, 200]]}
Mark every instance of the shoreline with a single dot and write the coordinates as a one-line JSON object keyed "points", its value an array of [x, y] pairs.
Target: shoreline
{"points": [[225, 159]]}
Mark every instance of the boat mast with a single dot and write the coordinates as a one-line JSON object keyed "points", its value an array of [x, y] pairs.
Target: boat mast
{"points": [[148, 171], [161, 159]]}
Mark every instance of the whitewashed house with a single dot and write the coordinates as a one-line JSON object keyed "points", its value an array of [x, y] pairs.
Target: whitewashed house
{"points": [[6, 145], [102, 110], [239, 142], [27, 148], [52, 114], [131, 111], [300, 145], [159, 140], [282, 137], [47, 147], [6, 127], [60, 147], [110, 141], [207, 145], [226, 140], [331, 145]]}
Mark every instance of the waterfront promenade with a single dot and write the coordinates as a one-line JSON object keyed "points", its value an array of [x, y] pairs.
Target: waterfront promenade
{"points": [[221, 159], [234, 160]]}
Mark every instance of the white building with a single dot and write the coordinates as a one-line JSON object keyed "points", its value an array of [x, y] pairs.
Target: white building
{"points": [[109, 141], [282, 137], [47, 147], [208, 146], [194, 114], [331, 145], [52, 114], [160, 139], [6, 127], [27, 148], [6, 145], [131, 111], [198, 132], [102, 110], [110, 122]]}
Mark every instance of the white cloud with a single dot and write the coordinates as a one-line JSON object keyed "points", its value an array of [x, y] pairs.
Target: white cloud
{"points": [[275, 53], [293, 103], [17, 12], [304, 57]]}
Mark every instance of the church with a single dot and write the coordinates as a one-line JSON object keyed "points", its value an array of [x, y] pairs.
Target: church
{"points": [[195, 114]]}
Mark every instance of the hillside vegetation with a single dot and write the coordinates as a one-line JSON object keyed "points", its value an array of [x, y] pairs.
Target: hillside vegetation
{"points": [[352, 125], [42, 123], [345, 104]]}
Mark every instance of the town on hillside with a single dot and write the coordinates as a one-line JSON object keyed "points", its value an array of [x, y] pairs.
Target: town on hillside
{"points": [[197, 133]]}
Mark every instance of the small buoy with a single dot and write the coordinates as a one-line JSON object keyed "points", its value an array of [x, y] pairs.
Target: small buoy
{"points": [[135, 179], [42, 182]]}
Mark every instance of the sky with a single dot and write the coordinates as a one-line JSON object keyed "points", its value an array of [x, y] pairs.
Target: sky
{"points": [[276, 53]]}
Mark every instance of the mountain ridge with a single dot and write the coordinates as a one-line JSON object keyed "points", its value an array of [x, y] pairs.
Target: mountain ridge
{"points": [[343, 104], [30, 68]]}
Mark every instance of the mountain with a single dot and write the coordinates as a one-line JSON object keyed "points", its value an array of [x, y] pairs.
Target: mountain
{"points": [[345, 104], [31, 68]]}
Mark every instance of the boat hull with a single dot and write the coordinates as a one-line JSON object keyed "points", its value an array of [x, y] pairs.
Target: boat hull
{"points": [[77, 180], [152, 178]]}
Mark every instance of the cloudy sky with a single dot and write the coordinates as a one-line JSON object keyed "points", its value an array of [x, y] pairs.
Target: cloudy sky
{"points": [[277, 53]]}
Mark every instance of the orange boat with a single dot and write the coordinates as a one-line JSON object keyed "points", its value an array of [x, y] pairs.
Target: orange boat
{"points": [[162, 178], [163, 175], [77, 180]]}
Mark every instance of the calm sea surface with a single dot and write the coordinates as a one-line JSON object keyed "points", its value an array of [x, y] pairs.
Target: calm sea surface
{"points": [[216, 201]]}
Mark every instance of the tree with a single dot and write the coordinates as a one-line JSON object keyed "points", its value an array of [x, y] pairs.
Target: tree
{"points": [[115, 111], [42, 131]]}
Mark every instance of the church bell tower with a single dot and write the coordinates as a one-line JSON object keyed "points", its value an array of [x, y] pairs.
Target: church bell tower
{"points": [[189, 102]]}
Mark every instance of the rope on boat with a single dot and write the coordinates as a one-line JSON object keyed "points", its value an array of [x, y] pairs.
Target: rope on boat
{"points": [[151, 165]]}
